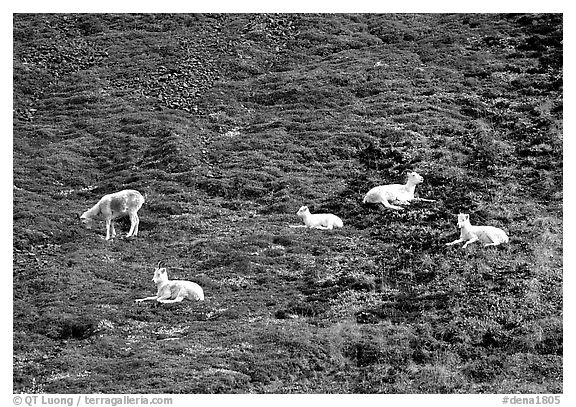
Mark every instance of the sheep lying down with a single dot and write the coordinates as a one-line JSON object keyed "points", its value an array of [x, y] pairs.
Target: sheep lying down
{"points": [[489, 235], [318, 220], [400, 194], [170, 291]]}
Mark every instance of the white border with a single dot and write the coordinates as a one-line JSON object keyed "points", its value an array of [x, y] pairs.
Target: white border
{"points": [[299, 6]]}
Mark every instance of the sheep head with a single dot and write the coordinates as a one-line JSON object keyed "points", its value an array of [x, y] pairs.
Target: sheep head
{"points": [[302, 210], [86, 220], [463, 219], [160, 274], [415, 178]]}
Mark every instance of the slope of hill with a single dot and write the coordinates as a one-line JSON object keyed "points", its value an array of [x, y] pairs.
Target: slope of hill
{"points": [[228, 124]]}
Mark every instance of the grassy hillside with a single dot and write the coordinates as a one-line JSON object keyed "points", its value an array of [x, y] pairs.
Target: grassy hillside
{"points": [[228, 124]]}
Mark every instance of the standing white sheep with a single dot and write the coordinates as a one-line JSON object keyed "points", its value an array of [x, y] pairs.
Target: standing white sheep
{"points": [[113, 206], [173, 290], [490, 235], [399, 193], [319, 220]]}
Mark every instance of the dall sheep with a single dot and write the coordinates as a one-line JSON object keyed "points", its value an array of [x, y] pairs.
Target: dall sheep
{"points": [[319, 220], [490, 235], [399, 193], [113, 206], [173, 290]]}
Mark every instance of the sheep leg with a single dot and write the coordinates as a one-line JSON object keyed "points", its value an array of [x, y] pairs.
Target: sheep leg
{"points": [[108, 225], [470, 241], [112, 229], [455, 241], [322, 227], [164, 295], [132, 225], [147, 299], [177, 299], [495, 240], [492, 244], [137, 224], [389, 205], [425, 200]]}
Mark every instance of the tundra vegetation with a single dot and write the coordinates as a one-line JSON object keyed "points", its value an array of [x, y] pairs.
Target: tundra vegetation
{"points": [[228, 124]]}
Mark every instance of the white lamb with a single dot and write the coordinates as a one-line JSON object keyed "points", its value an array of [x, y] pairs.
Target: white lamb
{"points": [[401, 194], [173, 290], [113, 206], [490, 235], [319, 220]]}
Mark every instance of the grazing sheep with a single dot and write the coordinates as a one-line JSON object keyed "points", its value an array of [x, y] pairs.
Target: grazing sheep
{"points": [[489, 235], [402, 194], [116, 205], [173, 290], [318, 220]]}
